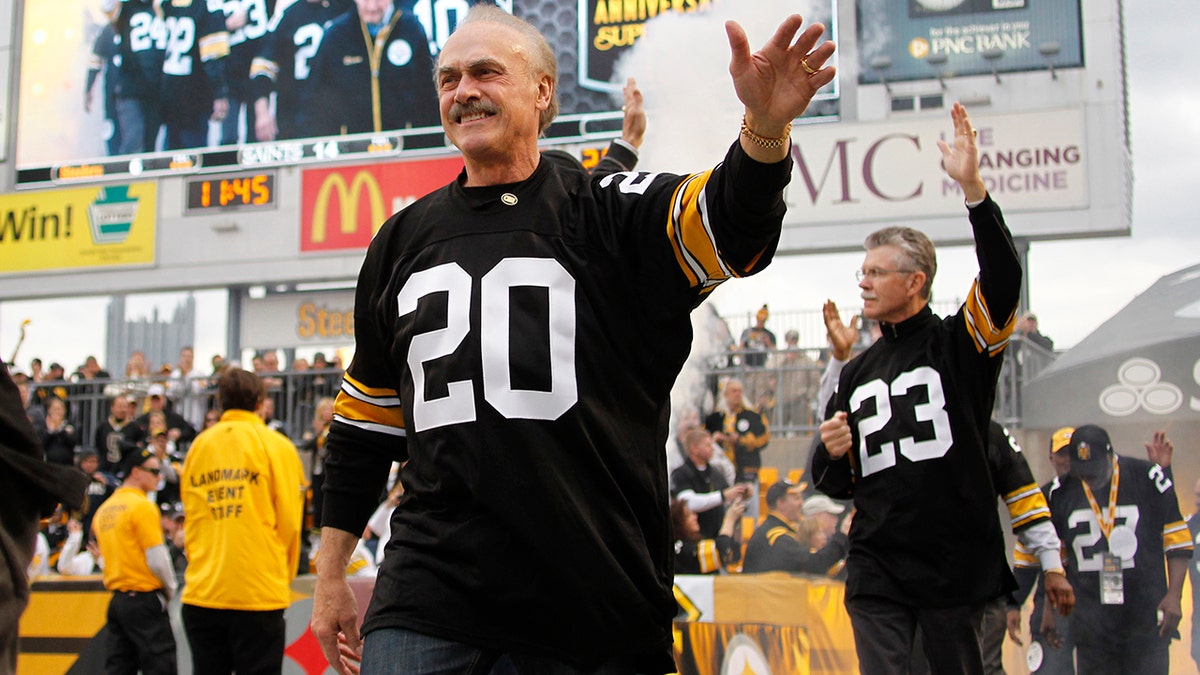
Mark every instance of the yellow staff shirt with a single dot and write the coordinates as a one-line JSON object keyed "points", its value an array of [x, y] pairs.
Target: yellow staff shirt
{"points": [[126, 525]]}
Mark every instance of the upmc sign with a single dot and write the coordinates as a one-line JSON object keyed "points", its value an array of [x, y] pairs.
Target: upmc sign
{"points": [[342, 208]]}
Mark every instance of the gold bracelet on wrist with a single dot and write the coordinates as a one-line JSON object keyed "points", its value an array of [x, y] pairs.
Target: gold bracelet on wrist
{"points": [[1058, 571], [762, 142]]}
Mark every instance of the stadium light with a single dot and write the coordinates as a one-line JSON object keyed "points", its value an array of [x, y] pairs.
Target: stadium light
{"points": [[992, 55], [1049, 50], [936, 61], [880, 64]]}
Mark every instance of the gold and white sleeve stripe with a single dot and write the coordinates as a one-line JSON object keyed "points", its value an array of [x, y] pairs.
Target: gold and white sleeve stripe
{"points": [[369, 408], [986, 334]]}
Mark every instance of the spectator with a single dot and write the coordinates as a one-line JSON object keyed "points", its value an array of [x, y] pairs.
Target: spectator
{"points": [[34, 410], [29, 489], [315, 445], [590, 601], [689, 418], [91, 370], [696, 554], [77, 557], [823, 511], [757, 342], [776, 545], [54, 385], [100, 486], [1128, 606], [742, 431], [137, 569], [169, 459], [58, 435], [136, 367], [283, 68], [173, 532], [241, 483], [375, 60], [909, 414], [118, 435], [267, 412], [1027, 327], [798, 383], [178, 429], [269, 372], [379, 525], [35, 370], [186, 389], [211, 417], [702, 488]]}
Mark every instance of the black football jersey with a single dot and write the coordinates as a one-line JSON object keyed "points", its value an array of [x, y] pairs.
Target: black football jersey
{"points": [[193, 71], [143, 40], [502, 347], [1147, 504], [285, 63], [919, 403], [1013, 480]]}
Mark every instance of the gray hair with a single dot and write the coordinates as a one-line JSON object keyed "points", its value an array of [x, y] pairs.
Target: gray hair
{"points": [[916, 247], [542, 60]]}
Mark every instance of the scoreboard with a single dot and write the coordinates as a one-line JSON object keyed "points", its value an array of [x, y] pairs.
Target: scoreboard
{"points": [[351, 148]]}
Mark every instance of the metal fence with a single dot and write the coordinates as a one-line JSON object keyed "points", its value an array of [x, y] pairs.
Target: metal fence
{"points": [[785, 388], [293, 393]]}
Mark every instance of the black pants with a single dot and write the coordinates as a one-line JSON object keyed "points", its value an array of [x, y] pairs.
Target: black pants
{"points": [[228, 640], [884, 631], [139, 635], [1147, 655]]}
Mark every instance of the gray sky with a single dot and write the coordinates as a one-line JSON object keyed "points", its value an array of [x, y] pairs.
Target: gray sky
{"points": [[1075, 285]]}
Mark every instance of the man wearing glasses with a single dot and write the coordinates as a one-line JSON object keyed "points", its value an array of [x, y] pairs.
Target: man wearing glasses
{"points": [[137, 569], [905, 437]]}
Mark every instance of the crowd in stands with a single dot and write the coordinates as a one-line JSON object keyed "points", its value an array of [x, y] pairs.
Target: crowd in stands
{"points": [[94, 421]]}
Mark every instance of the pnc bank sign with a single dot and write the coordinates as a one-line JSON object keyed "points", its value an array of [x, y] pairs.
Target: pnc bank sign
{"points": [[343, 207]]}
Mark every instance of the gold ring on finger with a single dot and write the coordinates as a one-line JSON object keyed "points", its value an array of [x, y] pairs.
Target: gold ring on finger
{"points": [[807, 68]]}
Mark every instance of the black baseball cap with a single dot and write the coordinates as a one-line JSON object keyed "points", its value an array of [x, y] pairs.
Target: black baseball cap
{"points": [[778, 490], [1089, 444], [135, 459]]}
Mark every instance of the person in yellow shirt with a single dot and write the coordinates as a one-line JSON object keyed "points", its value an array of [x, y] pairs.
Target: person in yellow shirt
{"points": [[242, 490], [137, 569]]}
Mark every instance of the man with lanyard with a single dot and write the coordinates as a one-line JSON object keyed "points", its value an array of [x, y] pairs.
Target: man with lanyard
{"points": [[138, 571], [1118, 517]]}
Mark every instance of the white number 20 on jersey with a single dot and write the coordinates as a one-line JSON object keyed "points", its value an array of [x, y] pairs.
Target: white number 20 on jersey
{"points": [[458, 405], [933, 411]]}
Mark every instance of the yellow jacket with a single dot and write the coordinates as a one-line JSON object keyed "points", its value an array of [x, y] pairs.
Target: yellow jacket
{"points": [[243, 500]]}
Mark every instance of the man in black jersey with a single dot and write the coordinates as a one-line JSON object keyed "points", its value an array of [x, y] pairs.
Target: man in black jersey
{"points": [[1118, 518], [500, 327], [285, 67], [905, 436]]}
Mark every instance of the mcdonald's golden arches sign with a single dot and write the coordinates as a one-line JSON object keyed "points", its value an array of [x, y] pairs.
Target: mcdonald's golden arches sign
{"points": [[343, 207]]}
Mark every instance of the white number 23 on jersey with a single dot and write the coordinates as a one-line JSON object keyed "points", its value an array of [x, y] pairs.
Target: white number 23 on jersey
{"points": [[933, 411]]}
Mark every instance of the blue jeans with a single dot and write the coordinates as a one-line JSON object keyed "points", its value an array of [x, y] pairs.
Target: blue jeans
{"points": [[399, 651]]}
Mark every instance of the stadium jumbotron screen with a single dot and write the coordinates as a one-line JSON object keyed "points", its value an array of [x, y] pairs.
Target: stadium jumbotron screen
{"points": [[93, 90]]}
